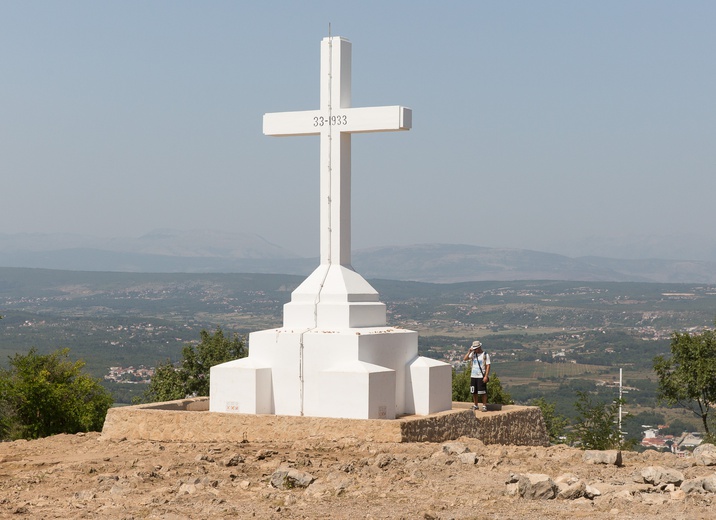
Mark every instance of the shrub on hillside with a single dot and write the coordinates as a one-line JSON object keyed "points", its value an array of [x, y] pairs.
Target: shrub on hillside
{"points": [[191, 376], [43, 395]]}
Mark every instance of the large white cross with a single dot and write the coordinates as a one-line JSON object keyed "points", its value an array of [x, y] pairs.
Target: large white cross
{"points": [[335, 121]]}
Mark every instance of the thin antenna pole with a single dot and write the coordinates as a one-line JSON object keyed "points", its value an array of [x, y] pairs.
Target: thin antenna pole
{"points": [[621, 435]]}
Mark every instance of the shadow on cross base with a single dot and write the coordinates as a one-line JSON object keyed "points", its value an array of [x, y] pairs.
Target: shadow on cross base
{"points": [[188, 420]]}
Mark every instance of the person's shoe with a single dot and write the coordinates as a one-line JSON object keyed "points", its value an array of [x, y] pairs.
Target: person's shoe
{"points": [[484, 408], [474, 407]]}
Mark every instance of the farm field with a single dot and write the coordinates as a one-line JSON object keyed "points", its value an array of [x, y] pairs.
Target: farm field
{"points": [[522, 372]]}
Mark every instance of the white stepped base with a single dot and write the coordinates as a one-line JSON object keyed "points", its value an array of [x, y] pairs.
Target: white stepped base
{"points": [[359, 373]]}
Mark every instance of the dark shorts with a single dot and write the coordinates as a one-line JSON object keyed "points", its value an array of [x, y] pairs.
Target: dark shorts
{"points": [[477, 386]]}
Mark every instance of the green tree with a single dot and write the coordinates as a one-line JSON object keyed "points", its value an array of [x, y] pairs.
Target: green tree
{"points": [[191, 376], [596, 426], [554, 423], [43, 395], [461, 388], [495, 393], [461, 385], [688, 378]]}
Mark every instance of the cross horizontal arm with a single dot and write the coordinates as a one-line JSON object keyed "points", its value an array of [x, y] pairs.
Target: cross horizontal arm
{"points": [[350, 120], [292, 123], [379, 119]]}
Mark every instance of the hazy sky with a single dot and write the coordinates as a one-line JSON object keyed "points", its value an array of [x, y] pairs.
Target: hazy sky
{"points": [[535, 124]]}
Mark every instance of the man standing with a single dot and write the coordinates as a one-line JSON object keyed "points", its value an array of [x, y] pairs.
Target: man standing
{"points": [[480, 374]]}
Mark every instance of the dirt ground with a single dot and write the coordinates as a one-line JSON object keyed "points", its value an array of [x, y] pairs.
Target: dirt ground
{"points": [[87, 476]]}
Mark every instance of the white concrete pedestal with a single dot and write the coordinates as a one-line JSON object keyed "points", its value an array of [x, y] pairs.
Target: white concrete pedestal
{"points": [[356, 373]]}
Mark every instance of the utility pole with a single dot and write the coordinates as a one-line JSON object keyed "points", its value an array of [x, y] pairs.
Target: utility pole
{"points": [[621, 393]]}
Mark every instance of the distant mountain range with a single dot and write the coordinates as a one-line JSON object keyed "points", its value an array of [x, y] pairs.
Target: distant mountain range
{"points": [[172, 251], [456, 263]]}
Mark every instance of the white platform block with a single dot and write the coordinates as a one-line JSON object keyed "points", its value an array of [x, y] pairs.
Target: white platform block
{"points": [[429, 386], [346, 300], [240, 378], [363, 373], [326, 315], [360, 391]]}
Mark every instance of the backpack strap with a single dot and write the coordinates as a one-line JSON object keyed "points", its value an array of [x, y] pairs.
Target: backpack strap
{"points": [[478, 364]]}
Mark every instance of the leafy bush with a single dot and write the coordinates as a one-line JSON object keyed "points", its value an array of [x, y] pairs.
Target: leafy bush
{"points": [[43, 395], [597, 425], [688, 378], [554, 423], [461, 385], [191, 376]]}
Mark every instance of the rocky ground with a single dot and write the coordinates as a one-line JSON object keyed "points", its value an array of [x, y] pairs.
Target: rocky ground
{"points": [[87, 476]]}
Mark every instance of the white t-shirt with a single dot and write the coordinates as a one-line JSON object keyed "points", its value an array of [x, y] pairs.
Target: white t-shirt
{"points": [[479, 364]]}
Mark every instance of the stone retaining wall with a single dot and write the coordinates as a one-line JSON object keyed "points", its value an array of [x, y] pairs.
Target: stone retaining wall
{"points": [[190, 420]]}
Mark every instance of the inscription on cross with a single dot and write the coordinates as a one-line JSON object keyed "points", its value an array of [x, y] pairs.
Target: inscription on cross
{"points": [[334, 122]]}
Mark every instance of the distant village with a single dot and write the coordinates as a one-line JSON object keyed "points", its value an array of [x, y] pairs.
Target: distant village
{"points": [[130, 375], [681, 445]]}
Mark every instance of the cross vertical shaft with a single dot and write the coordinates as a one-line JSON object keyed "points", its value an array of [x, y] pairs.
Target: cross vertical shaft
{"points": [[335, 184]]}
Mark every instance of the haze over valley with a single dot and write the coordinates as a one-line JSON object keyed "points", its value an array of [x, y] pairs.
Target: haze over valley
{"points": [[168, 250]]}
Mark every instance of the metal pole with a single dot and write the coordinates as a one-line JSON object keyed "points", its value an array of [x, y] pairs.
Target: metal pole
{"points": [[621, 435]]}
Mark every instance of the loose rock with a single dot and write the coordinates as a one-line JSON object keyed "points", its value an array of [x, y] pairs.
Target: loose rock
{"points": [[536, 486], [659, 476], [455, 448], [233, 460], [603, 457], [289, 478], [705, 455], [467, 458]]}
